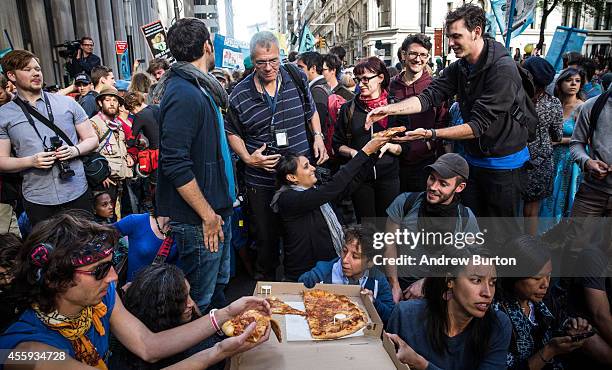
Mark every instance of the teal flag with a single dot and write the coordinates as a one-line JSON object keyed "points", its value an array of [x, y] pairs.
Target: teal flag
{"points": [[308, 40], [3, 52]]}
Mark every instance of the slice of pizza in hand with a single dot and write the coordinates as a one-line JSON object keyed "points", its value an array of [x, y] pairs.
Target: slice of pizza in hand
{"points": [[279, 307], [390, 132], [322, 307], [238, 324]]}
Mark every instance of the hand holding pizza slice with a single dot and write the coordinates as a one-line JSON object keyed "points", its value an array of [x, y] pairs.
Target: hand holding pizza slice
{"points": [[263, 322]]}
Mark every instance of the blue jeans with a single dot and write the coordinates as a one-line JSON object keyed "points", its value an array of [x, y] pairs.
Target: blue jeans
{"points": [[208, 273]]}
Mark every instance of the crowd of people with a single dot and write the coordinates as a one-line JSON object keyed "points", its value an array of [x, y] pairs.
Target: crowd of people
{"points": [[122, 203]]}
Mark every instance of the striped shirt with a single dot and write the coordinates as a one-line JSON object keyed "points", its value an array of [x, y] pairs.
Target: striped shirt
{"points": [[253, 117]]}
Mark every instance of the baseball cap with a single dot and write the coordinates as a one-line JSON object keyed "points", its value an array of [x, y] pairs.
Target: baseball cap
{"points": [[82, 78], [450, 165]]}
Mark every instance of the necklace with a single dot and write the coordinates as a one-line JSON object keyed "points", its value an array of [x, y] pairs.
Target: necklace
{"points": [[165, 234]]}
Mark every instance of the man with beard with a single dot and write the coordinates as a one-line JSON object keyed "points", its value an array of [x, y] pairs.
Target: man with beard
{"points": [[437, 210], [195, 185], [410, 82], [45, 192], [112, 141]]}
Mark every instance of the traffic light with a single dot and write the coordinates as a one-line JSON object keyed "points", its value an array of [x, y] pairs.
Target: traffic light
{"points": [[320, 42]]}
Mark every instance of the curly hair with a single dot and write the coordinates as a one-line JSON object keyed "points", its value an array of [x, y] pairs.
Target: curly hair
{"points": [[157, 63], [67, 233], [157, 297], [473, 16], [133, 100], [416, 38], [9, 247]]}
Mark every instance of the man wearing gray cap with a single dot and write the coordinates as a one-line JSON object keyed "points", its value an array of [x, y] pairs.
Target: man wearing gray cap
{"points": [[436, 210]]}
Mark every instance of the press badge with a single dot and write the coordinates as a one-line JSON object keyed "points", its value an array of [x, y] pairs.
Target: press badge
{"points": [[281, 138]]}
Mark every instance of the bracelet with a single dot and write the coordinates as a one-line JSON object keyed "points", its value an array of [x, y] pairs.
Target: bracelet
{"points": [[78, 151], [433, 134], [541, 354], [214, 323]]}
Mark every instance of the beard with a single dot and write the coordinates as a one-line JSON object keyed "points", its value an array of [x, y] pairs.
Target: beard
{"points": [[110, 112], [211, 62]]}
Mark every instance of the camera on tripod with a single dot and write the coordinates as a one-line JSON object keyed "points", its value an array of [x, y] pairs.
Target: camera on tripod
{"points": [[65, 171], [71, 49]]}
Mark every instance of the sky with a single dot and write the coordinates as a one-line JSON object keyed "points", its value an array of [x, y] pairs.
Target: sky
{"points": [[249, 12]]}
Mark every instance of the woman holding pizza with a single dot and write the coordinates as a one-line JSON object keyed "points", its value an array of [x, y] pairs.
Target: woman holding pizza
{"points": [[311, 228], [381, 183], [454, 326]]}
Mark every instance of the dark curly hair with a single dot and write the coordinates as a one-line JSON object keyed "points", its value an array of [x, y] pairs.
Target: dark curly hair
{"points": [[157, 63], [473, 16], [157, 297], [186, 39], [416, 38], [67, 233]]}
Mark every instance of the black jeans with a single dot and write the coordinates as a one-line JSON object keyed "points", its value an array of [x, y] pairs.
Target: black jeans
{"points": [[413, 177], [495, 196], [268, 229], [40, 212], [372, 197]]}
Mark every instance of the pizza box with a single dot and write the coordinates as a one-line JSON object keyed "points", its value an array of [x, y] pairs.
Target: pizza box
{"points": [[363, 352]]}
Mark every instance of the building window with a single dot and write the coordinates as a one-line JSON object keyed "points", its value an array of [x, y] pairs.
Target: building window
{"points": [[565, 15], [577, 13], [200, 15], [199, 2], [214, 29], [608, 17], [428, 15], [212, 2], [384, 13]]}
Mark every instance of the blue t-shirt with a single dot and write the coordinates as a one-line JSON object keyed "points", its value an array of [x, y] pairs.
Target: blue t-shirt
{"points": [[30, 329], [143, 243], [408, 321]]}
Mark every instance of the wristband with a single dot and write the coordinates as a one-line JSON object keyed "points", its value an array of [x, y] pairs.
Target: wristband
{"points": [[433, 134], [78, 151], [214, 323]]}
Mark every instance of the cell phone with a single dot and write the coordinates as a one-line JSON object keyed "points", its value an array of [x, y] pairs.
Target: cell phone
{"points": [[581, 336]]}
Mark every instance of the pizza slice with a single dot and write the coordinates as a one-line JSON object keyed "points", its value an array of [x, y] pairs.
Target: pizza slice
{"points": [[238, 324], [279, 307], [332, 316], [390, 132]]}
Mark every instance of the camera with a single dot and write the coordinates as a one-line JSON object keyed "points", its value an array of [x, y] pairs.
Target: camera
{"points": [[70, 49], [323, 175], [272, 149], [65, 171]]}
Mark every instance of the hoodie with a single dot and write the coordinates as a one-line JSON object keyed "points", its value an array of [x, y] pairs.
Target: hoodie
{"points": [[488, 92], [435, 117]]}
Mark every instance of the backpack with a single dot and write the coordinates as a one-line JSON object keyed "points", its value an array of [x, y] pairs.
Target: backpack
{"points": [[412, 198], [334, 103], [294, 73], [525, 114], [599, 105]]}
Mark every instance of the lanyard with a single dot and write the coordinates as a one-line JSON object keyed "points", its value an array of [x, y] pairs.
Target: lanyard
{"points": [[271, 101], [31, 121]]}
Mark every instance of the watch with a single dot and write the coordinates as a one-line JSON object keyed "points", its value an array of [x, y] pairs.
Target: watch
{"points": [[317, 133]]}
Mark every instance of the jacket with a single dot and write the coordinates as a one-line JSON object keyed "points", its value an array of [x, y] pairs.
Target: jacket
{"points": [[306, 237], [113, 147], [388, 165], [487, 97], [376, 282], [435, 117], [190, 149]]}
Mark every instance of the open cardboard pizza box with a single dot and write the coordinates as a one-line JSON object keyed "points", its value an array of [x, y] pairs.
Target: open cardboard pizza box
{"points": [[365, 351]]}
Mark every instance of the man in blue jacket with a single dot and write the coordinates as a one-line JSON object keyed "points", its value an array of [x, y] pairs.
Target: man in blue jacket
{"points": [[355, 267], [196, 183]]}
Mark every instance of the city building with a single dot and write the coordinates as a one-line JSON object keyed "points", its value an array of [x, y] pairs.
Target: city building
{"points": [[207, 11], [362, 25]]}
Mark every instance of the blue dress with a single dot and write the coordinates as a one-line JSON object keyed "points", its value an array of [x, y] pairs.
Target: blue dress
{"points": [[567, 178]]}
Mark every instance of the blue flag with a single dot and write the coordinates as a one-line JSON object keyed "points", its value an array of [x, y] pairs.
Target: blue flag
{"points": [[308, 40], [522, 17], [3, 52]]}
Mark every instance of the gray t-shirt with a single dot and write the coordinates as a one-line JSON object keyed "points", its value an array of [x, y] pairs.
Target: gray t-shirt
{"points": [[41, 186]]}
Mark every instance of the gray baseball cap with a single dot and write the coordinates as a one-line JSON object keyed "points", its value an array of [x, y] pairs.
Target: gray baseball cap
{"points": [[450, 165]]}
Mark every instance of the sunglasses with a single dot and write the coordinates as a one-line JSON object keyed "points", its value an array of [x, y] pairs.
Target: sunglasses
{"points": [[100, 271], [363, 79]]}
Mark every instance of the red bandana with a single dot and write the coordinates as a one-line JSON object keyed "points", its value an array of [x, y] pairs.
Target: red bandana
{"points": [[381, 101]]}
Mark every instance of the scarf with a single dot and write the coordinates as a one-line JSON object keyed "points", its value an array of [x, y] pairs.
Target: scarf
{"points": [[206, 80], [381, 101], [438, 217], [335, 229], [74, 330]]}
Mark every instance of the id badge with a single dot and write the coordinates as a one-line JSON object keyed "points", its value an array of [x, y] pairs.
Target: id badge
{"points": [[281, 138]]}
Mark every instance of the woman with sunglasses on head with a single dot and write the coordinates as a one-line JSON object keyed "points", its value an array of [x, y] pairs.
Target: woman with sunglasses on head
{"points": [[65, 281], [568, 88], [538, 335], [381, 184], [454, 326]]}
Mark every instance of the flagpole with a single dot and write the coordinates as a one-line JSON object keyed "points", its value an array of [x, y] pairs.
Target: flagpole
{"points": [[510, 21]]}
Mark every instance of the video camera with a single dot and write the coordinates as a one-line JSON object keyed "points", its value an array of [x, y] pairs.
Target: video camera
{"points": [[70, 49]]}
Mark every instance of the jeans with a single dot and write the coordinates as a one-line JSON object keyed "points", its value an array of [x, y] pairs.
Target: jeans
{"points": [[208, 273], [268, 232]]}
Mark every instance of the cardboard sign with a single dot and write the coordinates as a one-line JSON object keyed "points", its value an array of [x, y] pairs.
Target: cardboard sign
{"points": [[121, 47], [155, 35], [564, 40]]}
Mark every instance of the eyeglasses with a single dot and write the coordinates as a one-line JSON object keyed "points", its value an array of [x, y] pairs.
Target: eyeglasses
{"points": [[414, 55], [99, 272], [87, 45], [272, 62], [363, 79]]}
